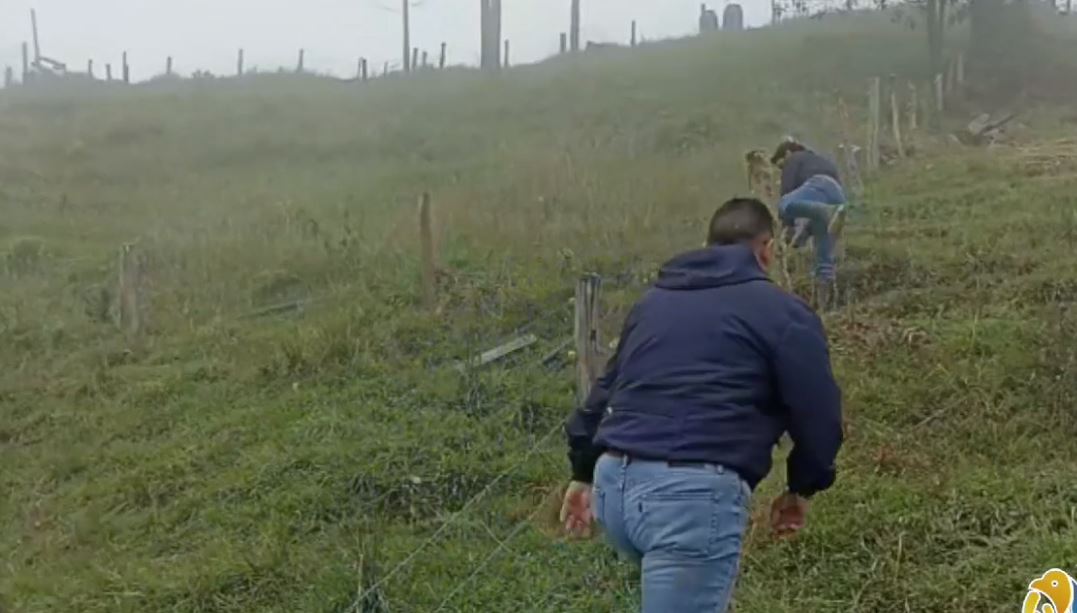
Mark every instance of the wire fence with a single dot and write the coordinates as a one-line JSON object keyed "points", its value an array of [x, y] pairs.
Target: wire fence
{"points": [[456, 518]]}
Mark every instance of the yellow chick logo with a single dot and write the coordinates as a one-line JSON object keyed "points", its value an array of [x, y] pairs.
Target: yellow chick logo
{"points": [[1054, 592]]}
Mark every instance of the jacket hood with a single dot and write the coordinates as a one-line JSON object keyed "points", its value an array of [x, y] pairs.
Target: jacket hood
{"points": [[711, 267]]}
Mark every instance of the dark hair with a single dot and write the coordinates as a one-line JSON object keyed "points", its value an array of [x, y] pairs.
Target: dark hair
{"points": [[740, 220], [785, 149]]}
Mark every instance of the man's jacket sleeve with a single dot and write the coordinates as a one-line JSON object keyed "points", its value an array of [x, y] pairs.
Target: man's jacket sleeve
{"points": [[813, 401], [581, 427]]}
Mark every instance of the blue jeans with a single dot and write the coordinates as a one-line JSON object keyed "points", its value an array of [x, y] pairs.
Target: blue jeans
{"points": [[815, 201], [683, 525]]}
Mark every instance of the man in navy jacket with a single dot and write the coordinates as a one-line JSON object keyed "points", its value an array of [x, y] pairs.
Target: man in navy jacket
{"points": [[714, 364]]}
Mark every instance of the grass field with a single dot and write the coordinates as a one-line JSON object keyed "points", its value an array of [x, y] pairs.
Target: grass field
{"points": [[291, 462]]}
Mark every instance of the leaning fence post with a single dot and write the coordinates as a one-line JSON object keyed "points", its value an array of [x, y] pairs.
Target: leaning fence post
{"points": [[914, 107], [130, 291], [588, 348], [874, 110], [426, 239], [895, 116]]}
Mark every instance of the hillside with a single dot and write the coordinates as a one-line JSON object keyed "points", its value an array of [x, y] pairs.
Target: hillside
{"points": [[288, 462]]}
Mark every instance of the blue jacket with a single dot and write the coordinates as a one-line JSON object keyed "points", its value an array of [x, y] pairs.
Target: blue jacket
{"points": [[714, 364], [803, 165]]}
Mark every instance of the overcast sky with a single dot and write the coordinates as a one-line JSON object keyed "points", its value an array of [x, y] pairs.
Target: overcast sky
{"points": [[205, 34]]}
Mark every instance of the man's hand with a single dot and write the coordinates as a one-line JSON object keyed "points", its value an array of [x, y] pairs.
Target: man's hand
{"points": [[788, 515], [576, 510]]}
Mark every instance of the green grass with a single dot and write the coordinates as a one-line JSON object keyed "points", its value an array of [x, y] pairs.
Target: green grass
{"points": [[286, 463]]}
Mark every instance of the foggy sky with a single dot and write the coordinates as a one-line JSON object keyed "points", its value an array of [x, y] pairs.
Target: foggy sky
{"points": [[206, 34]]}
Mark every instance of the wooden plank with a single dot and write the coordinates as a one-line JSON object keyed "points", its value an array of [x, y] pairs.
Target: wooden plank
{"points": [[588, 343], [426, 240], [500, 352]]}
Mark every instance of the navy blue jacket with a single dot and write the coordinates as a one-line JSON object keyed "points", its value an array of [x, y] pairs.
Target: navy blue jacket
{"points": [[714, 364], [803, 165]]}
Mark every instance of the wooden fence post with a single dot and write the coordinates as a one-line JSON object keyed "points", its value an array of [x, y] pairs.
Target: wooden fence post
{"points": [[25, 63], [441, 57], [632, 40], [506, 58], [940, 105], [914, 107], [239, 63], [564, 43], [425, 60], [89, 68], [874, 111], [895, 116], [108, 72], [852, 166], [574, 27], [302, 60], [9, 77], [168, 66], [126, 69], [414, 58], [363, 70], [426, 239], [131, 307], [588, 348]]}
